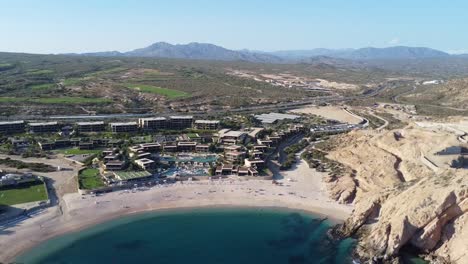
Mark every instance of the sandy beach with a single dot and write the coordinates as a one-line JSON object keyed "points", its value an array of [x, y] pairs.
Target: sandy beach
{"points": [[302, 190], [329, 112]]}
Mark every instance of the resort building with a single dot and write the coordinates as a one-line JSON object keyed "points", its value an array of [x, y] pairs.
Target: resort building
{"points": [[111, 157], [265, 142], [88, 127], [207, 124], [255, 131], [186, 146], [62, 143], [231, 137], [281, 134], [135, 149], [10, 127], [242, 171], [232, 148], [47, 145], [274, 139], [152, 123], [225, 169], [128, 127], [234, 156], [257, 155], [66, 131], [86, 145], [259, 147], [170, 148], [206, 138], [145, 163], [107, 152], [180, 122], [100, 142], [256, 163], [46, 127], [151, 147], [253, 171], [114, 165], [202, 148], [190, 137], [114, 143], [19, 143]]}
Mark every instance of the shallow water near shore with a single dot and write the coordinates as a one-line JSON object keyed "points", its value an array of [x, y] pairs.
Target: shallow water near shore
{"points": [[216, 235]]}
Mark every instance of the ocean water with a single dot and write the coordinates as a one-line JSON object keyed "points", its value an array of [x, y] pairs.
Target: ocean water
{"points": [[205, 236]]}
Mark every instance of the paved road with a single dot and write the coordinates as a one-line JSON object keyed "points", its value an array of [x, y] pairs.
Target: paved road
{"points": [[270, 107], [397, 100], [384, 120]]}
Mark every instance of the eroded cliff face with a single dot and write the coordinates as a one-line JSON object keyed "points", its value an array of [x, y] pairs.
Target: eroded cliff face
{"points": [[401, 201]]}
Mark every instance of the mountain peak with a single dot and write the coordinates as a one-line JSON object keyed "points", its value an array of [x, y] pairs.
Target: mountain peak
{"points": [[207, 51]]}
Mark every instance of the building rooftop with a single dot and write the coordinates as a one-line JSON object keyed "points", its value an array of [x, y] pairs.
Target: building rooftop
{"points": [[154, 144], [207, 122], [90, 123], [124, 124], [243, 169], [255, 130], [181, 117], [11, 122], [187, 143], [43, 124], [233, 133], [271, 118], [153, 118], [235, 153]]}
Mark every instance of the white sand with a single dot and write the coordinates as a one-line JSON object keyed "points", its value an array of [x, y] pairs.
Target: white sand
{"points": [[305, 191]]}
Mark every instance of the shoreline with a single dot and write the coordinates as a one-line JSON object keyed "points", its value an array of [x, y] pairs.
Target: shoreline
{"points": [[80, 213], [103, 220]]}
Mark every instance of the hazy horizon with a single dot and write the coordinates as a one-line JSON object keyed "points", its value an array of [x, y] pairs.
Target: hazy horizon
{"points": [[53, 26]]}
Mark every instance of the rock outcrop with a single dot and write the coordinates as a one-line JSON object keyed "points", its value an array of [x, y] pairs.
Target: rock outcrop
{"points": [[399, 201]]}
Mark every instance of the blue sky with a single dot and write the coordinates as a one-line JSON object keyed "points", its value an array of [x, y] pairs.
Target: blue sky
{"points": [[57, 26]]}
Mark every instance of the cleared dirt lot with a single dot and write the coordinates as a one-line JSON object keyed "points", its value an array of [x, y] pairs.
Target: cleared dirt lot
{"points": [[329, 112]]}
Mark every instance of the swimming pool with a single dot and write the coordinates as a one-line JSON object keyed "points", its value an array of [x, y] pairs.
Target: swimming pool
{"points": [[189, 158]]}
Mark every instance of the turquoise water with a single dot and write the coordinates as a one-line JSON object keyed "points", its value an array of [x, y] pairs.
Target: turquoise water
{"points": [[207, 158], [205, 236], [183, 172]]}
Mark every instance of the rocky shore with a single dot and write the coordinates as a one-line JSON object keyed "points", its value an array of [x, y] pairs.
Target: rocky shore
{"points": [[400, 203]]}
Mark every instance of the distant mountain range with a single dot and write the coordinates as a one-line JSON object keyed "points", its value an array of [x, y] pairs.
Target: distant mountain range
{"points": [[205, 51]]}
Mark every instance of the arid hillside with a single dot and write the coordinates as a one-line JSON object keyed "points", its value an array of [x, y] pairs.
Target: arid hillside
{"points": [[453, 93], [402, 199]]}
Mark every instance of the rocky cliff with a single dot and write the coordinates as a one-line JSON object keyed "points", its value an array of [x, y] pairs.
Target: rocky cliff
{"points": [[401, 202]]}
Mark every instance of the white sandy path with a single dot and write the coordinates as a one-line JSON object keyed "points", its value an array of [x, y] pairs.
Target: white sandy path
{"points": [[305, 192]]}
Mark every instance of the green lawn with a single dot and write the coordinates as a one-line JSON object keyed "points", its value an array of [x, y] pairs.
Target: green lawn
{"points": [[71, 100], [25, 193], [6, 66], [42, 87], [169, 93], [90, 179], [108, 71], [142, 139], [39, 72], [72, 81], [76, 151], [56, 100]]}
